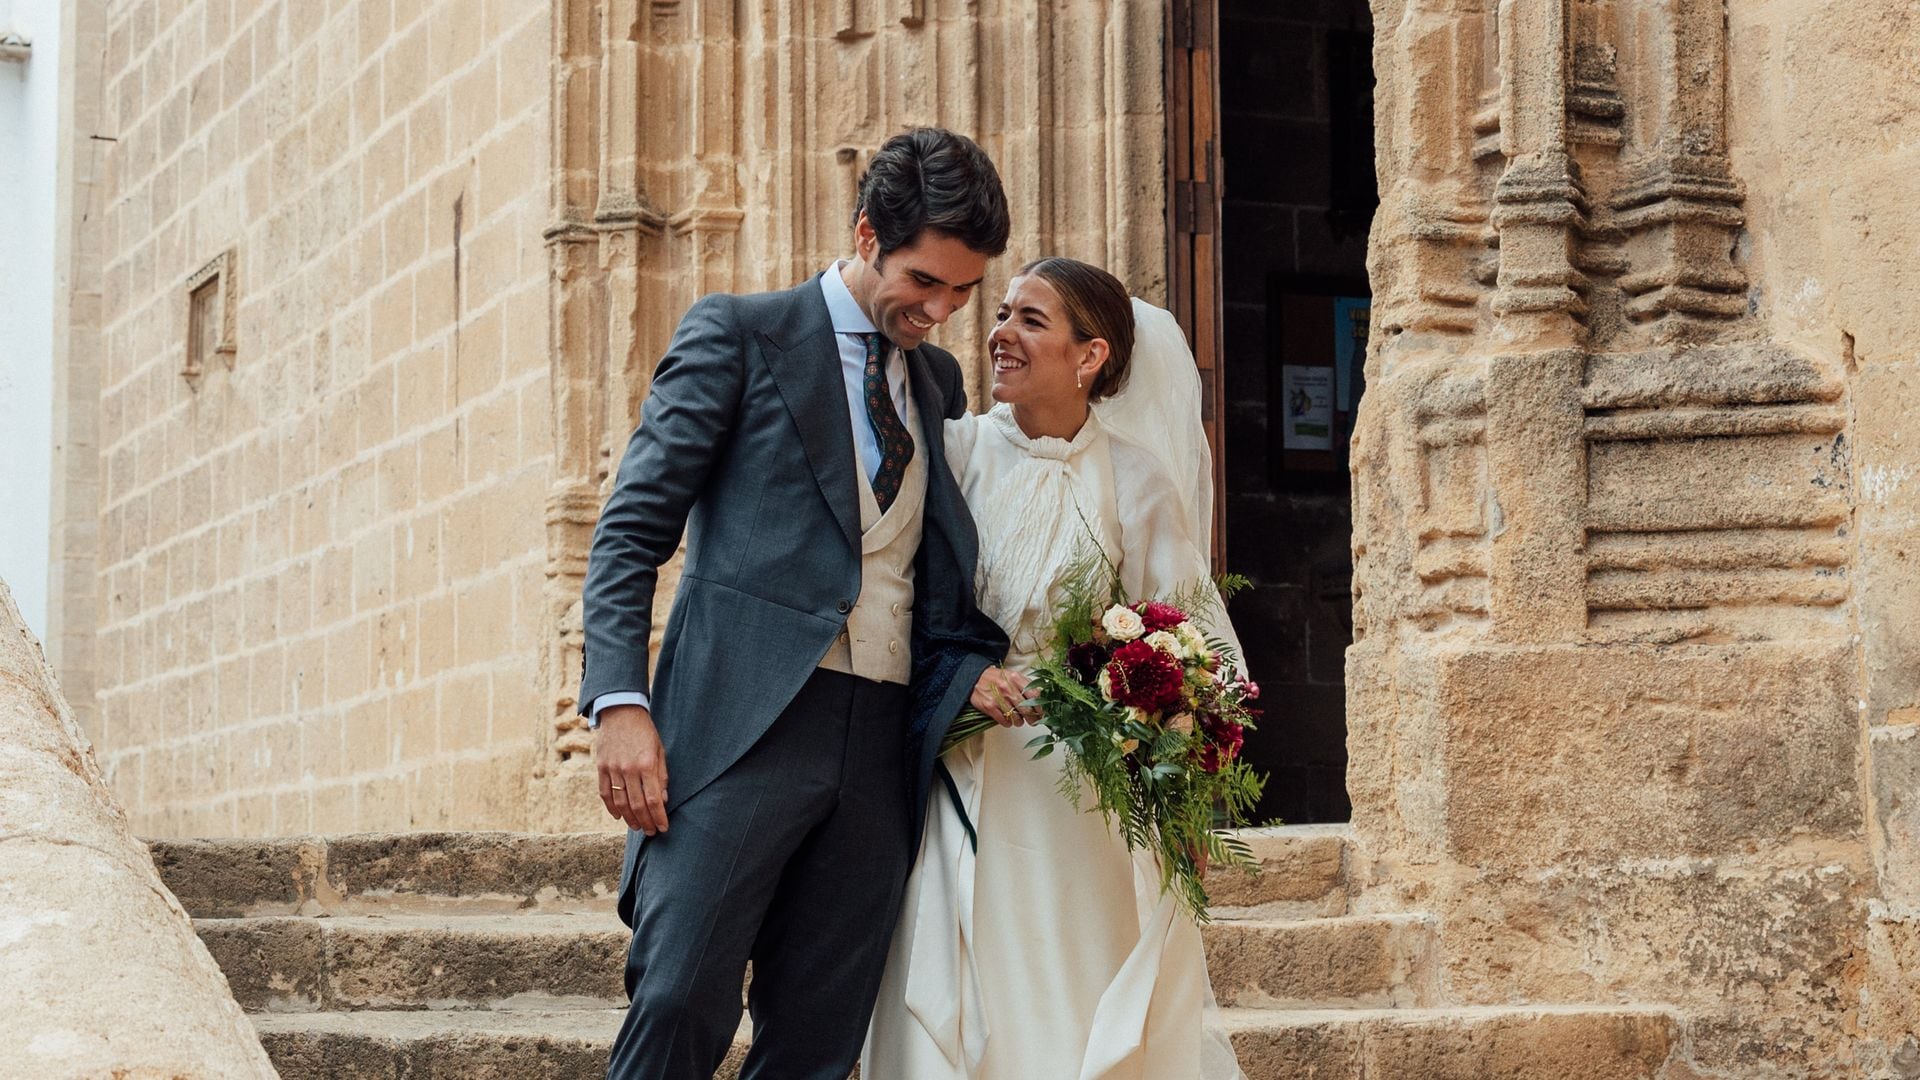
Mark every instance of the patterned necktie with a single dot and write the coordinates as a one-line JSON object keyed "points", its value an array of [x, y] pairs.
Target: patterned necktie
{"points": [[896, 445]]}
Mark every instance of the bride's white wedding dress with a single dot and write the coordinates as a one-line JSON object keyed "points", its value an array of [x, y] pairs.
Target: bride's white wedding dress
{"points": [[1051, 953]]}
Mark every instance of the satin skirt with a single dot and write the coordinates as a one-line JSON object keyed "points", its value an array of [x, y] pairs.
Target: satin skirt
{"points": [[1050, 952]]}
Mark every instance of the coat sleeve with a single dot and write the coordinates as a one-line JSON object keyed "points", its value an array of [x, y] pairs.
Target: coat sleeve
{"points": [[685, 425]]}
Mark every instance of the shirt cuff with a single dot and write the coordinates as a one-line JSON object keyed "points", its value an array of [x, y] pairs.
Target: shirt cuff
{"points": [[621, 697]]}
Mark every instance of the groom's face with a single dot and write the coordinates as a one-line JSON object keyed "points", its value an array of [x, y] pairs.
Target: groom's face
{"points": [[914, 288]]}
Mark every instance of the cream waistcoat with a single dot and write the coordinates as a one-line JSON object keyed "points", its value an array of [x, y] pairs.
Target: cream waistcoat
{"points": [[877, 641]]}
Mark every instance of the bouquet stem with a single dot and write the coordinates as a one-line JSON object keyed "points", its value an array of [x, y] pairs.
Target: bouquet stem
{"points": [[964, 727]]}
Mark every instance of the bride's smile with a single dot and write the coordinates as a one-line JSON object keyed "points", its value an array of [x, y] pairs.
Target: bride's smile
{"points": [[1043, 364]]}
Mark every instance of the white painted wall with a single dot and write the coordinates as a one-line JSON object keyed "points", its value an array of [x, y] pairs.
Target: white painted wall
{"points": [[29, 142]]}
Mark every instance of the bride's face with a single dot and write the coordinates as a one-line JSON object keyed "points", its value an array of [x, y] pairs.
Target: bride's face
{"points": [[1036, 355]]}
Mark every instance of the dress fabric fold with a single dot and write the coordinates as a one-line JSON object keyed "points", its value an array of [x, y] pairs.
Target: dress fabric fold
{"points": [[1050, 951]]}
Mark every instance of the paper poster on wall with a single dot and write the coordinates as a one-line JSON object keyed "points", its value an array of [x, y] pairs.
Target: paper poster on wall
{"points": [[1308, 394]]}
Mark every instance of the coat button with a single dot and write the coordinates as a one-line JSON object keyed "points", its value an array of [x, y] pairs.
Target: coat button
{"points": [[893, 647], [846, 606], [895, 608]]}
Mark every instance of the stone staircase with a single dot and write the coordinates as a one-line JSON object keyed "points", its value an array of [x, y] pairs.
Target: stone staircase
{"points": [[497, 955]]}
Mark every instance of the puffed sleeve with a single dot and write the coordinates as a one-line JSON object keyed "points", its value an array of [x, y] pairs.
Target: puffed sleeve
{"points": [[960, 436]]}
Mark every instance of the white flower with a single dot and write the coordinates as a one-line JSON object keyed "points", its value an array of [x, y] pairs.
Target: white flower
{"points": [[1182, 723], [1166, 643], [1193, 644], [1105, 683], [1122, 623], [1138, 715]]}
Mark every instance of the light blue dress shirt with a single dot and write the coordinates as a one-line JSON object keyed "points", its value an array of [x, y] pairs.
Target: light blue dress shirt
{"points": [[850, 325]]}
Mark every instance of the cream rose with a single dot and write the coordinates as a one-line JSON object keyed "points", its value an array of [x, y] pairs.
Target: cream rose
{"points": [[1165, 642], [1122, 623]]}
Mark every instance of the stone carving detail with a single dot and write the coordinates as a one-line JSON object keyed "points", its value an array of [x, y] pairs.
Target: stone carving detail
{"points": [[701, 145], [1577, 205], [1565, 199], [1716, 494], [1604, 537]]}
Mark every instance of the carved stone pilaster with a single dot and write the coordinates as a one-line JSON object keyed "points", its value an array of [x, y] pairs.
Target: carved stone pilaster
{"points": [[1539, 205], [1679, 201]]}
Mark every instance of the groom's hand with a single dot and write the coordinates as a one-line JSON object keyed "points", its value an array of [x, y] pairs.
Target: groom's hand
{"points": [[633, 768], [1002, 696]]}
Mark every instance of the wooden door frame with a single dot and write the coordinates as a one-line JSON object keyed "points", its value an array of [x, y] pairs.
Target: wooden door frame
{"points": [[1193, 218]]}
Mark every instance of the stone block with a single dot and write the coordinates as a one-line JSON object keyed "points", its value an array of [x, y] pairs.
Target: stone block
{"points": [[1620, 1043], [1301, 873], [1574, 754], [1357, 961], [1762, 954], [1894, 768]]}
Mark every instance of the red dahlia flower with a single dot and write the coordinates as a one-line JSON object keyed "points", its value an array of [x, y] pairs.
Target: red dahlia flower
{"points": [[1144, 677], [1159, 616]]}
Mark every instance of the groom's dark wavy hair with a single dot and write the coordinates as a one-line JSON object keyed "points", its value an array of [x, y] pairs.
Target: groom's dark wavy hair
{"points": [[931, 178]]}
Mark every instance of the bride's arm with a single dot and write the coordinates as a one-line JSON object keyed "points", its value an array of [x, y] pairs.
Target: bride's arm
{"points": [[1158, 554]]}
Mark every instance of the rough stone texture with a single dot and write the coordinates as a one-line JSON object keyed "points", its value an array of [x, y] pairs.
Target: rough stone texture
{"points": [[1361, 961], [292, 964], [78, 894], [1633, 519], [1302, 872], [375, 873], [1459, 1044]]}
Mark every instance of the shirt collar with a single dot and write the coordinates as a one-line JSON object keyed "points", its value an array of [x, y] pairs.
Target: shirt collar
{"points": [[842, 308]]}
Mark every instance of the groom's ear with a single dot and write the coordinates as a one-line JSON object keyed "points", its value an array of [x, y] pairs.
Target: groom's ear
{"points": [[866, 241]]}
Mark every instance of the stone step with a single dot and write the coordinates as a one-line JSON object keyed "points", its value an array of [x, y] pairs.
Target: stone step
{"points": [[1302, 873], [1517, 1043], [291, 963], [360, 873], [297, 963], [1351, 961], [1541, 1042]]}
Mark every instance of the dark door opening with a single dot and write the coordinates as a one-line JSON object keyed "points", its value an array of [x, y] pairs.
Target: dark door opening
{"points": [[1295, 122]]}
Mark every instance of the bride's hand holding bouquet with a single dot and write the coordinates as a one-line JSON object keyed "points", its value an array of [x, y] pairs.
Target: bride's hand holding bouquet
{"points": [[1152, 714]]}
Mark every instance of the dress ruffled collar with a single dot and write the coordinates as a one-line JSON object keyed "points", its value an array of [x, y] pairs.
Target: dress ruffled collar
{"points": [[1046, 446]]}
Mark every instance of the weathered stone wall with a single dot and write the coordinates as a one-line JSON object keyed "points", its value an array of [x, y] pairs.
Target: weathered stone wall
{"points": [[1629, 534], [320, 559], [100, 971], [1826, 129]]}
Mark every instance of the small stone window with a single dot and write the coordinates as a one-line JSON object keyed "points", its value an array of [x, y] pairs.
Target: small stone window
{"points": [[210, 305]]}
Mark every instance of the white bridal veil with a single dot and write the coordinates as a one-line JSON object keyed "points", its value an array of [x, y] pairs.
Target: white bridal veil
{"points": [[1160, 409]]}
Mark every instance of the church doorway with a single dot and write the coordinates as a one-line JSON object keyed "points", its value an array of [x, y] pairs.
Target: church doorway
{"points": [[1272, 193]]}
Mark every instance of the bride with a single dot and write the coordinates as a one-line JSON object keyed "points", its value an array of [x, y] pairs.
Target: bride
{"points": [[1050, 952]]}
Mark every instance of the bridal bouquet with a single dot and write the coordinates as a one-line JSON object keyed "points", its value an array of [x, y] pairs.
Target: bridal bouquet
{"points": [[1152, 714]]}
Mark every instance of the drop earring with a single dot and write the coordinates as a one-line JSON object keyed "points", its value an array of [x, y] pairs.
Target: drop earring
{"points": [[1076, 381]]}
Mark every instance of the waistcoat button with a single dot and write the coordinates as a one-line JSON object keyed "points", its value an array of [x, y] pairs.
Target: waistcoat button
{"points": [[846, 606]]}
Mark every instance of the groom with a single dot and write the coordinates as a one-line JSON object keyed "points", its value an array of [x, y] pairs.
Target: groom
{"points": [[774, 774]]}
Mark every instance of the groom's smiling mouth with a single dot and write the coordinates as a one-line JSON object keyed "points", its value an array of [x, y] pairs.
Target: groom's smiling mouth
{"points": [[917, 324]]}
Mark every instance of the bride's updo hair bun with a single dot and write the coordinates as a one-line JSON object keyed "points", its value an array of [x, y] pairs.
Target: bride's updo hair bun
{"points": [[1097, 307]]}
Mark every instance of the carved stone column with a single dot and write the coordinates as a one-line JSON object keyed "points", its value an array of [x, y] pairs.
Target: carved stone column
{"points": [[1602, 708]]}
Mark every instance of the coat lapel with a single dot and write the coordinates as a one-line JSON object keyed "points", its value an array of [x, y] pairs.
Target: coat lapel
{"points": [[805, 363]]}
